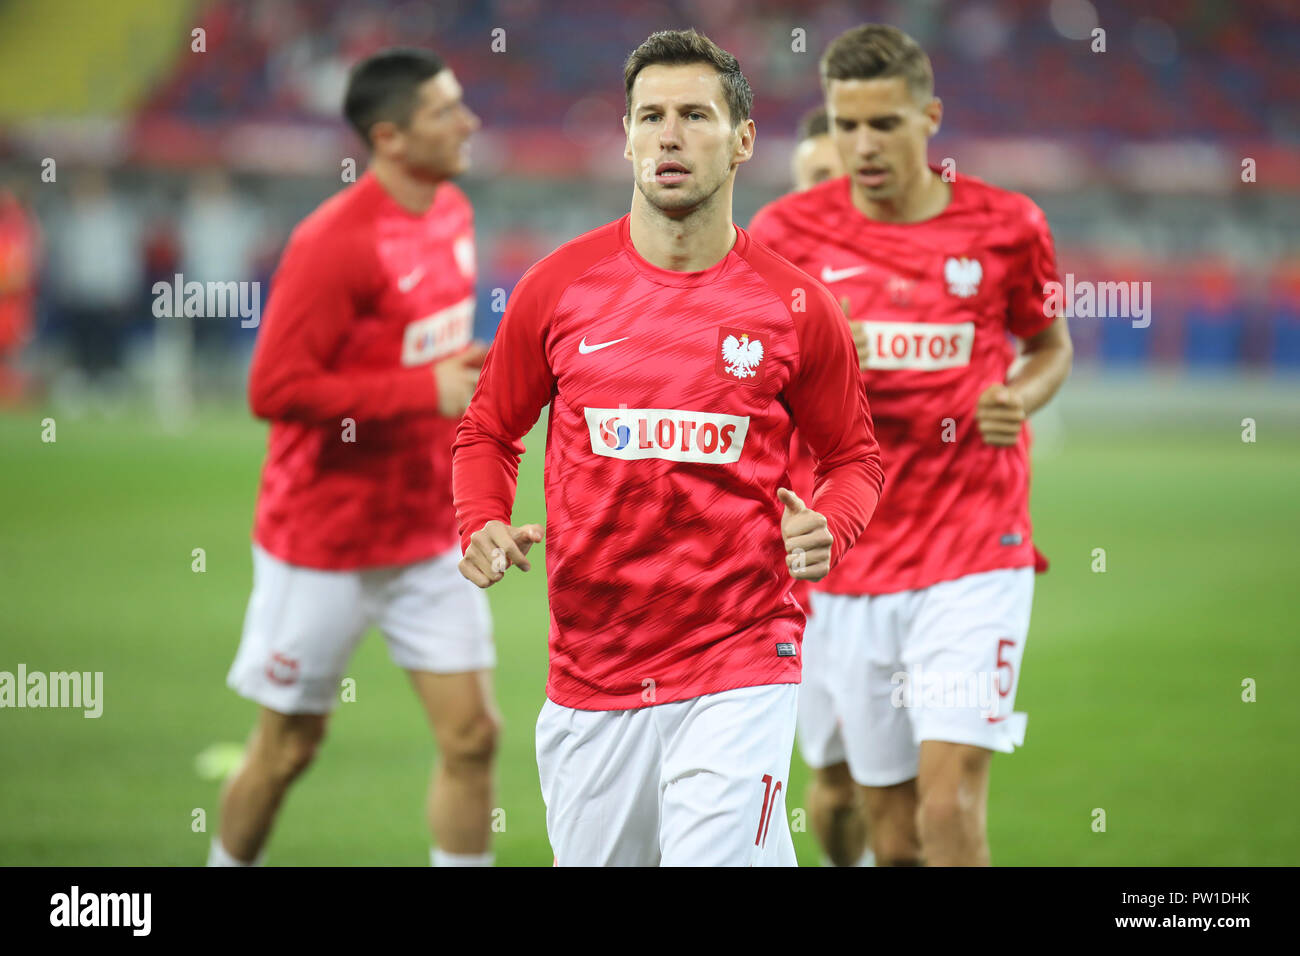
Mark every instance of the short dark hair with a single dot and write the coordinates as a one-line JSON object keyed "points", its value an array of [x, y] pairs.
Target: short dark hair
{"points": [[875, 50], [383, 87], [681, 47], [813, 123]]}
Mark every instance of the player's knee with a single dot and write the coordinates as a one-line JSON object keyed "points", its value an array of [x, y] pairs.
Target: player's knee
{"points": [[943, 813], [896, 846], [289, 753], [888, 816], [835, 789], [295, 756], [892, 828], [472, 743], [891, 815]]}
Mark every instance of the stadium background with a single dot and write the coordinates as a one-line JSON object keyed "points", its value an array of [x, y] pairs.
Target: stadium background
{"points": [[167, 159]]}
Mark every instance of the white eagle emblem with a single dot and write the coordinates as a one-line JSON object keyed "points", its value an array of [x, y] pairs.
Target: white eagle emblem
{"points": [[963, 276], [742, 355]]}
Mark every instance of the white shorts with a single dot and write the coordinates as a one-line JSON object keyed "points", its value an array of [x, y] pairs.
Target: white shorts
{"points": [[303, 626], [821, 741], [939, 663], [699, 782]]}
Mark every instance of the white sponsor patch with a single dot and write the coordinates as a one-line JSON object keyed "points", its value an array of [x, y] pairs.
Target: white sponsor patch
{"points": [[463, 250], [439, 334], [918, 345], [667, 433]]}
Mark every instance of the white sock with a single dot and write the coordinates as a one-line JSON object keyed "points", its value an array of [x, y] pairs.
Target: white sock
{"points": [[443, 858], [218, 856], [868, 858]]}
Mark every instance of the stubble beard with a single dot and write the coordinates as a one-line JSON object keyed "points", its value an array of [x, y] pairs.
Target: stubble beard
{"points": [[683, 204]]}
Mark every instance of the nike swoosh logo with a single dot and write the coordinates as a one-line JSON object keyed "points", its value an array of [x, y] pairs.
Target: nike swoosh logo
{"points": [[408, 282], [586, 349], [835, 275]]}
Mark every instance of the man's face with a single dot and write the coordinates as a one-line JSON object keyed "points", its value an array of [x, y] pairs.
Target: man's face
{"points": [[880, 132], [816, 160], [434, 144], [680, 139]]}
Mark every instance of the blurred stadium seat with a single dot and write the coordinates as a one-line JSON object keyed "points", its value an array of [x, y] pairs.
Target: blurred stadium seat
{"points": [[1135, 153]]}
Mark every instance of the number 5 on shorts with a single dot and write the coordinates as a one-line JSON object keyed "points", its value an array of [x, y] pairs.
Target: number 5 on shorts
{"points": [[1003, 644]]}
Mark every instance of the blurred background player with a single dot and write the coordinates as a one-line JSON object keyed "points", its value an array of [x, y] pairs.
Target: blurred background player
{"points": [[835, 803], [815, 157], [96, 251], [924, 624], [675, 355], [20, 252], [364, 367]]}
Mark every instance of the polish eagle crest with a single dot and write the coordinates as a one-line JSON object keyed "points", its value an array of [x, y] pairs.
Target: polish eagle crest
{"points": [[742, 355], [963, 276]]}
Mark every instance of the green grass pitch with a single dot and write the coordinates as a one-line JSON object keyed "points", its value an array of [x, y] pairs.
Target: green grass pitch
{"points": [[1132, 678]]}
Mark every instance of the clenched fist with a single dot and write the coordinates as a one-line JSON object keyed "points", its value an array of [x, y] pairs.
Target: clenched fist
{"points": [[457, 375], [1000, 414], [494, 548]]}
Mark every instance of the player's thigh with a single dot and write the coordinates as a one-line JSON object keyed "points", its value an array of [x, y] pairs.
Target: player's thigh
{"points": [[300, 630], [462, 711], [599, 772], [818, 724], [432, 618], [726, 772], [965, 649], [865, 676]]}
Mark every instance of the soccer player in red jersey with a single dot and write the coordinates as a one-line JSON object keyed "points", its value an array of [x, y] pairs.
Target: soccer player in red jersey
{"points": [[924, 623], [20, 253], [364, 367], [676, 355]]}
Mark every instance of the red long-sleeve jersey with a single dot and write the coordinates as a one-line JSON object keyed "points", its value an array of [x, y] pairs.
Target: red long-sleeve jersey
{"points": [[940, 300], [672, 399], [358, 464]]}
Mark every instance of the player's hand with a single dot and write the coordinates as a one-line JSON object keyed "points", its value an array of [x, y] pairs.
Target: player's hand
{"points": [[807, 538], [495, 547], [1000, 414], [859, 330], [457, 375]]}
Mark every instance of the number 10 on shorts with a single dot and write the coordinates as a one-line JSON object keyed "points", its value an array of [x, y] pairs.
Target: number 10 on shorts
{"points": [[770, 794]]}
